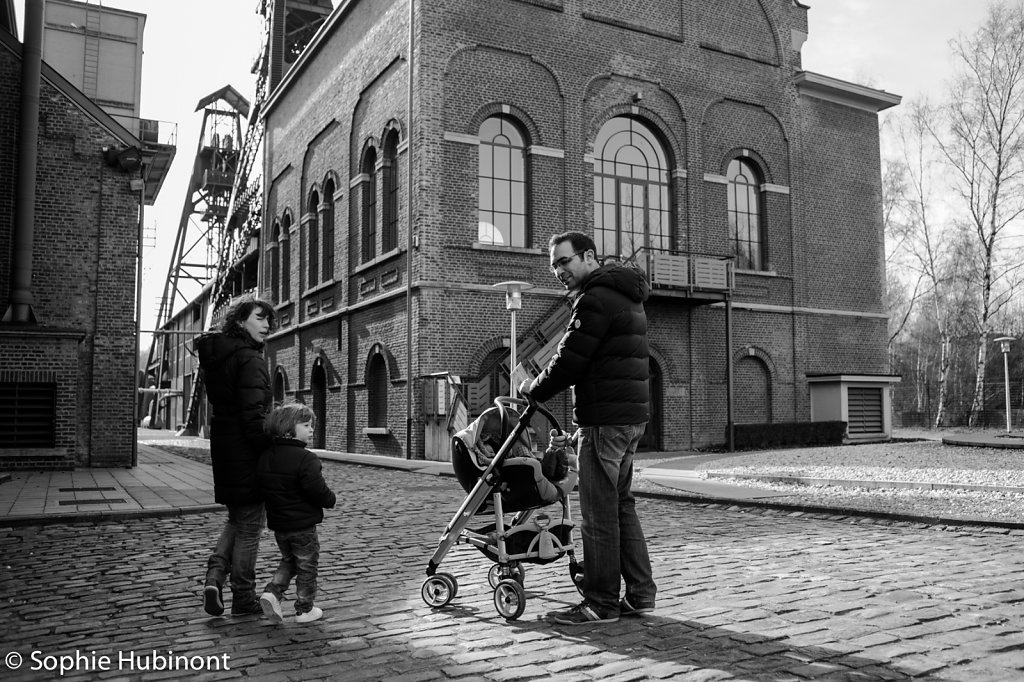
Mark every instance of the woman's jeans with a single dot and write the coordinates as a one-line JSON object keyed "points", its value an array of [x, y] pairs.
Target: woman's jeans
{"points": [[613, 541], [236, 553], [300, 556]]}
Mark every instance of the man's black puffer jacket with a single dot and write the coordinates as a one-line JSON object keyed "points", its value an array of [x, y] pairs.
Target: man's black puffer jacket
{"points": [[238, 389], [293, 486], [604, 353]]}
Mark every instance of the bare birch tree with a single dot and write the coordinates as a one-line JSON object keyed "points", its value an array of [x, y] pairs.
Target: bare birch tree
{"points": [[983, 143], [928, 245]]}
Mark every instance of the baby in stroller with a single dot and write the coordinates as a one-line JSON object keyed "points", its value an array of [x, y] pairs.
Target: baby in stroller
{"points": [[495, 463]]}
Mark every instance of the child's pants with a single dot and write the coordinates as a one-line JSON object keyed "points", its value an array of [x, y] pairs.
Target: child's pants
{"points": [[300, 555]]}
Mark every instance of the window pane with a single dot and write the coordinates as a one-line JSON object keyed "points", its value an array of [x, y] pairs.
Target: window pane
{"points": [[518, 230], [485, 194], [502, 228], [502, 196], [486, 232], [485, 160], [490, 128], [518, 165], [518, 204], [501, 162]]}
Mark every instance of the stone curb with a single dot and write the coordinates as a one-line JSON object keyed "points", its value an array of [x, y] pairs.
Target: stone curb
{"points": [[105, 516], [854, 483]]}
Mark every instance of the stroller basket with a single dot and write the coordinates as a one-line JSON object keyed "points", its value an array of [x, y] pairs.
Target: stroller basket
{"points": [[494, 462]]}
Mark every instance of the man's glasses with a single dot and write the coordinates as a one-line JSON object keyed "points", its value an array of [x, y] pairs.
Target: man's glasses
{"points": [[565, 260]]}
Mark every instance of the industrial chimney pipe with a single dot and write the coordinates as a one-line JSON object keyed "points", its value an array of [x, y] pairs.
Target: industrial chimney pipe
{"points": [[19, 310]]}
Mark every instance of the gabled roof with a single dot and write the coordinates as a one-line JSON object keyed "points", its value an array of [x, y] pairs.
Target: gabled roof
{"points": [[229, 95]]}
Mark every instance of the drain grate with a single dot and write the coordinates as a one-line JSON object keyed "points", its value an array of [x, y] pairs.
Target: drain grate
{"points": [[113, 500]]}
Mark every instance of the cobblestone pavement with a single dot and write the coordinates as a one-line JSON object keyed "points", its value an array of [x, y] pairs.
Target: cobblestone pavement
{"points": [[744, 595]]}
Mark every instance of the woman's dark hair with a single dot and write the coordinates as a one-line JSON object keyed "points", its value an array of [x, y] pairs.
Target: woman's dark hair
{"points": [[240, 311]]}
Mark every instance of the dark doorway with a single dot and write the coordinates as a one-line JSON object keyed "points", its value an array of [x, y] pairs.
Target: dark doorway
{"points": [[651, 440], [318, 384]]}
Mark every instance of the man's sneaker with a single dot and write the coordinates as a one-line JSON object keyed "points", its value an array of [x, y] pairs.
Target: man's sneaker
{"points": [[271, 606], [316, 613], [627, 609], [213, 603], [583, 613], [251, 609]]}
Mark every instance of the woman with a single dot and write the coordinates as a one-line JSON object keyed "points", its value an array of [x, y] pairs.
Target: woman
{"points": [[238, 390]]}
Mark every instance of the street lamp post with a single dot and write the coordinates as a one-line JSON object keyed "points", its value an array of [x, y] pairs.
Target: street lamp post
{"points": [[1004, 345], [513, 302]]}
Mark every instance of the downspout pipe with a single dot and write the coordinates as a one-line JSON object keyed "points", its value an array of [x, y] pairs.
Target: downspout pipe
{"points": [[410, 243], [19, 310]]}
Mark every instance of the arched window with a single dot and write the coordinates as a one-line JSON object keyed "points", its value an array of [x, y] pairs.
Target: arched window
{"points": [[389, 238], [744, 206], [369, 204], [328, 232], [502, 183], [631, 190], [275, 262], [313, 258], [286, 257], [377, 392]]}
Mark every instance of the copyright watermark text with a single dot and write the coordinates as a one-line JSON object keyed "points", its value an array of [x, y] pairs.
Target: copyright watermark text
{"points": [[152, 660]]}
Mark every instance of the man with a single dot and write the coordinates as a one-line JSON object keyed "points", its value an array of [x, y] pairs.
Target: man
{"points": [[603, 356]]}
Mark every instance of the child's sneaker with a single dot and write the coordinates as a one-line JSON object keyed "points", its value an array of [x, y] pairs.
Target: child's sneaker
{"points": [[213, 602], [627, 609], [314, 613], [271, 606]]}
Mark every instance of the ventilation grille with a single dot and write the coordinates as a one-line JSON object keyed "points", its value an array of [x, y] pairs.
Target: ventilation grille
{"points": [[28, 415], [865, 410]]}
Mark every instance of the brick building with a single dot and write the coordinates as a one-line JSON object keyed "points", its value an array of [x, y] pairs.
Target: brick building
{"points": [[682, 134], [69, 249]]}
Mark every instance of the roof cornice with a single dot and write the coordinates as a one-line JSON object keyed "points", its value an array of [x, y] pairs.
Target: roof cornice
{"points": [[838, 91]]}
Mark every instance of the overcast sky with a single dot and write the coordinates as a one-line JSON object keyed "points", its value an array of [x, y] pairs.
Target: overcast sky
{"points": [[194, 47]]}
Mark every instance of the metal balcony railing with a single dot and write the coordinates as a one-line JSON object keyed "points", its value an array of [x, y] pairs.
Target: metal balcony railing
{"points": [[690, 272]]}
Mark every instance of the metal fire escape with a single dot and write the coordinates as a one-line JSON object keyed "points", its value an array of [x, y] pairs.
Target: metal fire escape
{"points": [[225, 193]]}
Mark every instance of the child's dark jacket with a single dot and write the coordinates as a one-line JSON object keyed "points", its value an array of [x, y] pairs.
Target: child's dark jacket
{"points": [[293, 486]]}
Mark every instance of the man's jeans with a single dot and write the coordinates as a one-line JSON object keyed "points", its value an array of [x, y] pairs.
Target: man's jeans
{"points": [[613, 541], [300, 555], [236, 553]]}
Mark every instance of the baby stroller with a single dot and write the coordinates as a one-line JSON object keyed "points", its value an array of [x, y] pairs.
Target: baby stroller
{"points": [[494, 461]]}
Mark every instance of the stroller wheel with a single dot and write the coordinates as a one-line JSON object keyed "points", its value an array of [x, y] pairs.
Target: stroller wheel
{"points": [[509, 599], [515, 571], [439, 589]]}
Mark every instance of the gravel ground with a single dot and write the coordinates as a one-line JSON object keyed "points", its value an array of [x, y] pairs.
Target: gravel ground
{"points": [[923, 461]]}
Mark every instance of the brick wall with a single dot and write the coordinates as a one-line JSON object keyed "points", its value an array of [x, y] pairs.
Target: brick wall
{"points": [[85, 244], [713, 80]]}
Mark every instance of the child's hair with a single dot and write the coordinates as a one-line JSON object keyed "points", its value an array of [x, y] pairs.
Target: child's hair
{"points": [[281, 421]]}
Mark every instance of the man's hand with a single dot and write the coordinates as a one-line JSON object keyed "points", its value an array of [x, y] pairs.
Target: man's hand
{"points": [[524, 388]]}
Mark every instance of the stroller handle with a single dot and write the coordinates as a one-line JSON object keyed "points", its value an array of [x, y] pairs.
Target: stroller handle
{"points": [[503, 404]]}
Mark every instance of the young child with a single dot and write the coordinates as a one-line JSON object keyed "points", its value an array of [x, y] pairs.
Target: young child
{"points": [[295, 494]]}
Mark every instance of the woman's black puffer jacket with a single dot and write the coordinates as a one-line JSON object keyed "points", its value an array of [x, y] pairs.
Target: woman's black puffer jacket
{"points": [[238, 389], [293, 486], [604, 352]]}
